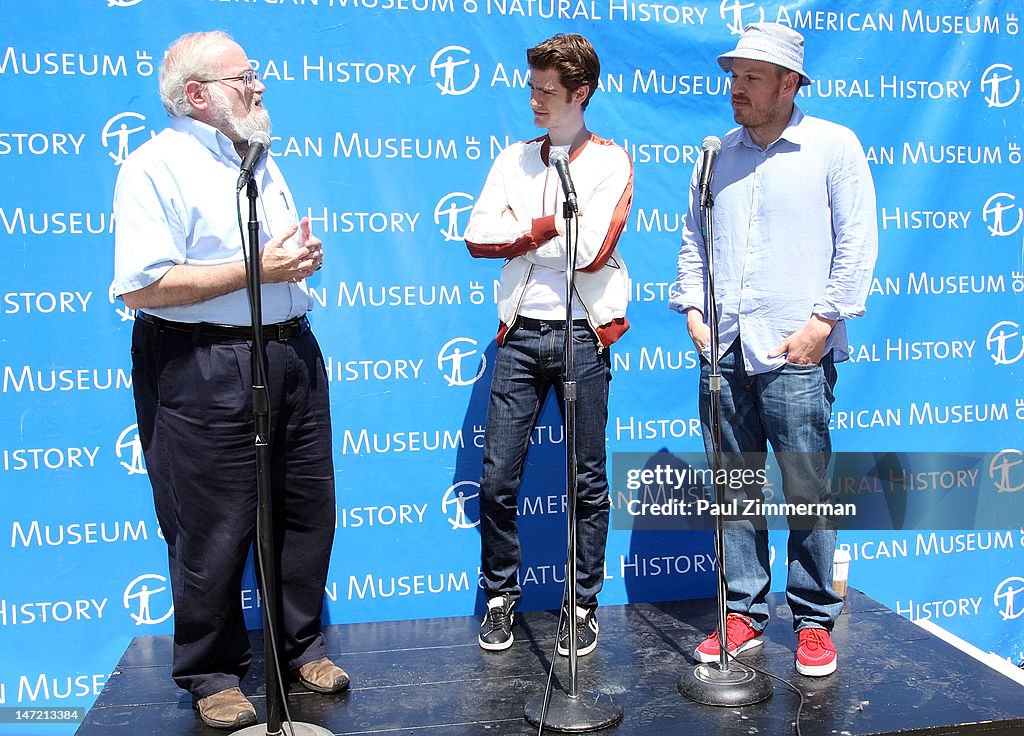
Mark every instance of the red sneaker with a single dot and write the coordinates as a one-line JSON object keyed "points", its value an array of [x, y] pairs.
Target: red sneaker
{"points": [[815, 653], [740, 635]]}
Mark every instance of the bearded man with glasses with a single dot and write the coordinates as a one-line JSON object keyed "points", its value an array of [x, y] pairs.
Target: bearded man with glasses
{"points": [[179, 264]]}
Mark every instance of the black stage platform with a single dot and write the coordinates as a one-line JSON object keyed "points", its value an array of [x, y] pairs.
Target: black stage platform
{"points": [[429, 678]]}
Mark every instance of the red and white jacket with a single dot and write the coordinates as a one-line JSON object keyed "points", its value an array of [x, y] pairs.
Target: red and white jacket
{"points": [[514, 218]]}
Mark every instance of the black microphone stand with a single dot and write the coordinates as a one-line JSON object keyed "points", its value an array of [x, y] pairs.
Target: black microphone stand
{"points": [[266, 567], [727, 682], [572, 711]]}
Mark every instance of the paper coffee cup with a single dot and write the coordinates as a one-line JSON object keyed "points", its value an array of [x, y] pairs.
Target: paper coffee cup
{"points": [[840, 571]]}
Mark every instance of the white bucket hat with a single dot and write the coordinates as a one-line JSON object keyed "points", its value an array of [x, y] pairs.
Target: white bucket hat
{"points": [[771, 42]]}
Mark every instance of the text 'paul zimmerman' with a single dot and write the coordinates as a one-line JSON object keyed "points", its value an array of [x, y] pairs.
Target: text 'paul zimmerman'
{"points": [[746, 507]]}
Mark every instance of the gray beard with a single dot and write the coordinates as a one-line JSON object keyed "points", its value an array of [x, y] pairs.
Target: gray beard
{"points": [[237, 128]]}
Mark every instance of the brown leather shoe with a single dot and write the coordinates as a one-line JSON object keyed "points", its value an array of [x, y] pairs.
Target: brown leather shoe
{"points": [[226, 709], [323, 676]]}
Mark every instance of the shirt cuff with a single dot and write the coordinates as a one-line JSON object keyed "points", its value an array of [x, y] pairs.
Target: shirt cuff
{"points": [[543, 229], [827, 311]]}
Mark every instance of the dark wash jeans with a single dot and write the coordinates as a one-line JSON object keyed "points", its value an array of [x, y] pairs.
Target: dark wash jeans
{"points": [[789, 408], [527, 366]]}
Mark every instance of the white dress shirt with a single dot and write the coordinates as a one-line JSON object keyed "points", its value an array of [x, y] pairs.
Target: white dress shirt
{"points": [[175, 203]]}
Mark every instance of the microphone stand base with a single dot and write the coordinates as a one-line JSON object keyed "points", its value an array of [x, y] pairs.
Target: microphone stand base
{"points": [[566, 714], [709, 684], [295, 728]]}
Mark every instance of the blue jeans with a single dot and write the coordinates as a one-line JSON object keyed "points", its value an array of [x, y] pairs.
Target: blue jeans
{"points": [[790, 408], [527, 366]]}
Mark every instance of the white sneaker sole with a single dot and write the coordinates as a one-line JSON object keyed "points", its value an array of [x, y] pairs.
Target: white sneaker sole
{"points": [[499, 647], [579, 652], [744, 647], [820, 670]]}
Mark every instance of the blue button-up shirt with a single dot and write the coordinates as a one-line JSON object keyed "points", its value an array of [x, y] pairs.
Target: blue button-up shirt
{"points": [[795, 234], [175, 203]]}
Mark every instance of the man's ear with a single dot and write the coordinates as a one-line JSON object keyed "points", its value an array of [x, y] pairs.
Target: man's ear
{"points": [[195, 93], [580, 95], [792, 82]]}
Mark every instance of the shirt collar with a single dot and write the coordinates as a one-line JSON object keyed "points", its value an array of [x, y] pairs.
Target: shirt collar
{"points": [[793, 133], [211, 138]]}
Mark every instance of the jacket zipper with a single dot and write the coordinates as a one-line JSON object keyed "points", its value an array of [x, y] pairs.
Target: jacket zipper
{"points": [[590, 324], [519, 303]]}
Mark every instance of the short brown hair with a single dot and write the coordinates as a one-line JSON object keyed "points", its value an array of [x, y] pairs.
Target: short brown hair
{"points": [[574, 58]]}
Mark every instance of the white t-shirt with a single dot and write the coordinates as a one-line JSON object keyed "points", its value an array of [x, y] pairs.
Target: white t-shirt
{"points": [[544, 297]]}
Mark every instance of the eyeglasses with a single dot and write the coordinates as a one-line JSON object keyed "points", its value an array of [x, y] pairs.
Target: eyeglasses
{"points": [[248, 78]]}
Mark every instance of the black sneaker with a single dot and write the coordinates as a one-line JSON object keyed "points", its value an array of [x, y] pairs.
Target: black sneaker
{"points": [[496, 628], [586, 634]]}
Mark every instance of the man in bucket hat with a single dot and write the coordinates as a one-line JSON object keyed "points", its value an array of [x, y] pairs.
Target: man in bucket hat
{"points": [[795, 240]]}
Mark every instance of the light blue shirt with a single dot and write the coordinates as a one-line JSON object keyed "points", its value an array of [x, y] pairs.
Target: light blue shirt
{"points": [[174, 203], [796, 234]]}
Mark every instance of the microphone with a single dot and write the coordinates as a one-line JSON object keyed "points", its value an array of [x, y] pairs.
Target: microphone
{"points": [[560, 160], [258, 143], [711, 146]]}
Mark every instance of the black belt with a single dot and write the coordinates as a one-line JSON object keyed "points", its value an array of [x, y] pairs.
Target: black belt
{"points": [[280, 331], [554, 324]]}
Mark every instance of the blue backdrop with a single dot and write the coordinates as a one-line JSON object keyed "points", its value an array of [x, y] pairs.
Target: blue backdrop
{"points": [[387, 115]]}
